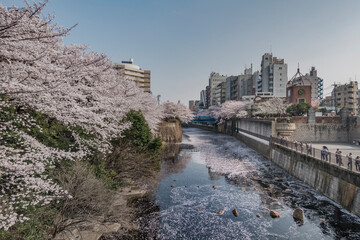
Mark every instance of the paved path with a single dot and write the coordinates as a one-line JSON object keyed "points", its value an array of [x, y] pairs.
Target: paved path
{"points": [[345, 148]]}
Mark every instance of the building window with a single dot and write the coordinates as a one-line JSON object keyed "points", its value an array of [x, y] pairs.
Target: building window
{"points": [[280, 74], [301, 100], [280, 68]]}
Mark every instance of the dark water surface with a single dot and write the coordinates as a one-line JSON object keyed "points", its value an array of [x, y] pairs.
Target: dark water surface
{"points": [[246, 181]]}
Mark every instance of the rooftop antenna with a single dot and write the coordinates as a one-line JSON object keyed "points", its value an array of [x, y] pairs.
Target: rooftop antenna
{"points": [[158, 99], [270, 49]]}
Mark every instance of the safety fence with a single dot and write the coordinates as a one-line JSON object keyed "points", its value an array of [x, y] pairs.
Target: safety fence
{"points": [[325, 155]]}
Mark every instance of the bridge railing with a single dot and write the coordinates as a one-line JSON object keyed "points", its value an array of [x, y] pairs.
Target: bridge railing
{"points": [[306, 149]]}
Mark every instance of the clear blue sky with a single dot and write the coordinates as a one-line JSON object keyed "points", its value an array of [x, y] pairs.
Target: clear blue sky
{"points": [[182, 41]]}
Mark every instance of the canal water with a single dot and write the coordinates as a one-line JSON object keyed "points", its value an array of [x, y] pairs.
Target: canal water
{"points": [[188, 202]]}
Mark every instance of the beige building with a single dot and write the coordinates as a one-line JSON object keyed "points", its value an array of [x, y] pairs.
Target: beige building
{"points": [[134, 72], [346, 95], [214, 80], [220, 92]]}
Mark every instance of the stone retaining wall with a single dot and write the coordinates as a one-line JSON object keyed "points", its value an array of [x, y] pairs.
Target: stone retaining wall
{"points": [[170, 131], [338, 184]]}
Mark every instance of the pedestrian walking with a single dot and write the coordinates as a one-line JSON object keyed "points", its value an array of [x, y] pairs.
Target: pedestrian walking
{"points": [[357, 163], [349, 156], [340, 159], [295, 144], [309, 148], [337, 156], [301, 147], [324, 153]]}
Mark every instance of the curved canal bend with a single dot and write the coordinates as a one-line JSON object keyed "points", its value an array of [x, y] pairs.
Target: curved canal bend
{"points": [[242, 178]]}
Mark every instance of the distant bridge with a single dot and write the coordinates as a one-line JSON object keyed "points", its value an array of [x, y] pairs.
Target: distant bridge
{"points": [[203, 120]]}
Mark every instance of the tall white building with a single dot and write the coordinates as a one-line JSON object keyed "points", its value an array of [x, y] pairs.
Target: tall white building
{"points": [[273, 77], [214, 80]]}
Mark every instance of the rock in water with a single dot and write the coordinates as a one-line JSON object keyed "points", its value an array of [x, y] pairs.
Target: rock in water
{"points": [[288, 190], [277, 179], [298, 214], [322, 220], [235, 212], [243, 189], [172, 185], [274, 214], [258, 215], [303, 191], [220, 212], [214, 187]]}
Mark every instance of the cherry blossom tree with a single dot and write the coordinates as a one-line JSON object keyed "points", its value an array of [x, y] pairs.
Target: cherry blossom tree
{"points": [[179, 111], [231, 109], [272, 106], [72, 84], [315, 103]]}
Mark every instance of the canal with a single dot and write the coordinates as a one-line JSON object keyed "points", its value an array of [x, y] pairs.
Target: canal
{"points": [[215, 173]]}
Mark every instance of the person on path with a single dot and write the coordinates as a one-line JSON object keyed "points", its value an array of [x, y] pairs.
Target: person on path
{"points": [[324, 153], [349, 156], [337, 156], [301, 147], [309, 148], [295, 144], [357, 163], [340, 160]]}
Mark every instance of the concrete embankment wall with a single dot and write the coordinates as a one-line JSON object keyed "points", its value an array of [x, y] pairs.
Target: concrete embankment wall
{"points": [[338, 184], [258, 146], [170, 131], [259, 128], [330, 132]]}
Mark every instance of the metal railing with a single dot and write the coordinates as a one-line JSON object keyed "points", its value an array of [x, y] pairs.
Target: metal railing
{"points": [[332, 158]]}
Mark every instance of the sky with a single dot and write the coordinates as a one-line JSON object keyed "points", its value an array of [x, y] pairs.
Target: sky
{"points": [[183, 41]]}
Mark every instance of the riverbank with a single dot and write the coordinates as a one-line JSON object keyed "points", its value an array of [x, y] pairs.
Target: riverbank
{"points": [[126, 216]]}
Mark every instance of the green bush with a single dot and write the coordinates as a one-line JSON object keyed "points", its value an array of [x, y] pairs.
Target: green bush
{"points": [[139, 132], [298, 109]]}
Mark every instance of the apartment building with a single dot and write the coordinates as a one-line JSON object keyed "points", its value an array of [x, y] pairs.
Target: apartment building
{"points": [[135, 73], [273, 77], [346, 96], [220, 93], [214, 80]]}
